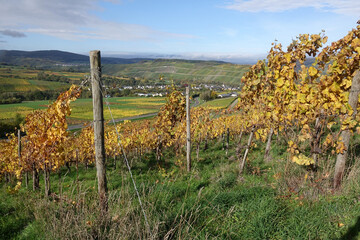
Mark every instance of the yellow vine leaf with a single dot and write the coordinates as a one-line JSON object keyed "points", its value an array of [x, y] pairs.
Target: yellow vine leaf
{"points": [[312, 71], [303, 160]]}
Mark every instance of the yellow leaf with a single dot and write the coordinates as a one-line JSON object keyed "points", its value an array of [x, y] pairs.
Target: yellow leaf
{"points": [[325, 40], [312, 71], [287, 56], [303, 160], [280, 82]]}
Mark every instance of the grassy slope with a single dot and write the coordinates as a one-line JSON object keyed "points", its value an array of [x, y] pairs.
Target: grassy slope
{"points": [[19, 79], [201, 71], [210, 203], [218, 103]]}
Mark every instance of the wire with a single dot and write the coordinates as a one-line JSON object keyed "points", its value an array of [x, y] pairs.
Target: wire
{"points": [[97, 73]]}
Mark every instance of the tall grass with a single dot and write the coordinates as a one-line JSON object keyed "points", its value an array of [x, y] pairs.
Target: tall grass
{"points": [[270, 201]]}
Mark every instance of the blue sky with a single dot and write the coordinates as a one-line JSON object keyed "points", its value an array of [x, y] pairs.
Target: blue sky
{"points": [[198, 29]]}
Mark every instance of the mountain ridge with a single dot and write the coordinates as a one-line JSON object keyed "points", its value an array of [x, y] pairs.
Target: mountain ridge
{"points": [[41, 57]]}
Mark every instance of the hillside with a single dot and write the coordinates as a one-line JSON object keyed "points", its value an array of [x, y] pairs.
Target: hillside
{"points": [[23, 79], [184, 70], [53, 57], [145, 68]]}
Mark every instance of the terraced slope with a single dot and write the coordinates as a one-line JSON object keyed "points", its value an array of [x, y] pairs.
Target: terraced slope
{"points": [[197, 71]]}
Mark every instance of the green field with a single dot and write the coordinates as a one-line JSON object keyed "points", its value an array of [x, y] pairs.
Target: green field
{"points": [[21, 79], [218, 103], [24, 85], [82, 108], [120, 107]]}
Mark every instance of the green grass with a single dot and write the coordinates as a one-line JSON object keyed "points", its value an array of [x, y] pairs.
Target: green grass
{"points": [[218, 103], [9, 111], [120, 107], [210, 203], [24, 85], [20, 79]]}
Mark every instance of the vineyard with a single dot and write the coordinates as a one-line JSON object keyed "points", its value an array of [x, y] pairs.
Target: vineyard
{"points": [[295, 127]]}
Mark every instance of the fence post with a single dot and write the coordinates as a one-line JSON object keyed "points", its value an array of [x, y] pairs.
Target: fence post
{"points": [[345, 134], [188, 133], [247, 149], [19, 146], [95, 68]]}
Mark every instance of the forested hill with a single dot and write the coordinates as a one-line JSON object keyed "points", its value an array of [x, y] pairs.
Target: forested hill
{"points": [[198, 71], [51, 57]]}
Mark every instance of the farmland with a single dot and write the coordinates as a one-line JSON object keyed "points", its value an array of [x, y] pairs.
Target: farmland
{"points": [[218, 103], [181, 70], [82, 108], [21, 79], [121, 107]]}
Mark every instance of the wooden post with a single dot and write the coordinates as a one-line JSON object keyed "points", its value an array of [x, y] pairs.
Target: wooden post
{"points": [[206, 145], [268, 146], [47, 180], [19, 147], [316, 140], [158, 149], [198, 147], [188, 133], [95, 68], [247, 149], [345, 135], [19, 150], [227, 140], [35, 176], [27, 180], [239, 146]]}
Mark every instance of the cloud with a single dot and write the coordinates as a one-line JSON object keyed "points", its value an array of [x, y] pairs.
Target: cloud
{"points": [[73, 20], [114, 1], [12, 33], [1, 41], [346, 7]]}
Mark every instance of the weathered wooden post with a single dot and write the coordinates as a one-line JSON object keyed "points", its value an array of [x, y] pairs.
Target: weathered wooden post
{"points": [[19, 146], [188, 133], [95, 68], [242, 164], [19, 155], [227, 140], [268, 145], [345, 134]]}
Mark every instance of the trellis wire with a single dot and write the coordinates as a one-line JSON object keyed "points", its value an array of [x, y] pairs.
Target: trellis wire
{"points": [[124, 154]]}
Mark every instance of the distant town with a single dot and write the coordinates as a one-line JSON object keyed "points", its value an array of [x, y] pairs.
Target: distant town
{"points": [[160, 90]]}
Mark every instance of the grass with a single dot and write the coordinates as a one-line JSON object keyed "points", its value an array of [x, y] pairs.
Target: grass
{"points": [[121, 107], [218, 103], [20, 79], [210, 203], [9, 111], [24, 85]]}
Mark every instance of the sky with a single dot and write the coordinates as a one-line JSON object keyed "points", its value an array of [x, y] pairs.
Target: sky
{"points": [[228, 30]]}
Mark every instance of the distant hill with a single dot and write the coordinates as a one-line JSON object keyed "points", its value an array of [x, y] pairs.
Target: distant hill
{"points": [[52, 57], [199, 71], [183, 70]]}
